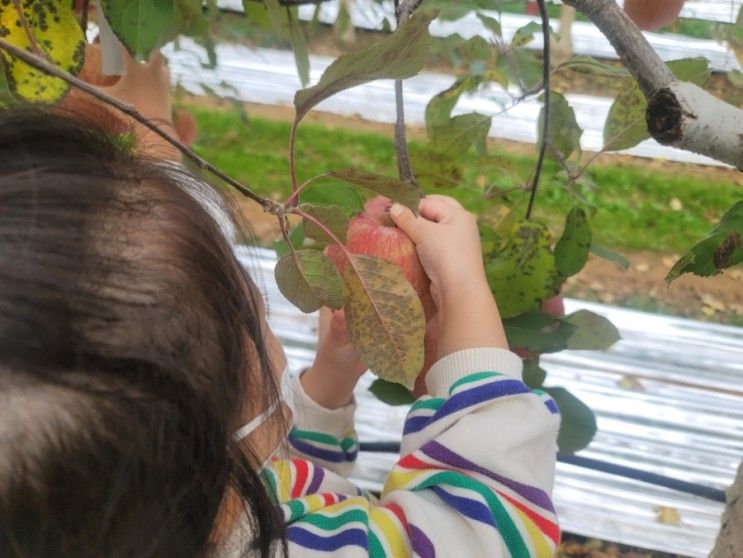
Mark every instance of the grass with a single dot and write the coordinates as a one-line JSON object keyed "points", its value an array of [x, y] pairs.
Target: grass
{"points": [[633, 204]]}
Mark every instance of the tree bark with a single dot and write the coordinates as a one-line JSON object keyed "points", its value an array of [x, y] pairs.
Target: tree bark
{"points": [[679, 114], [730, 539]]}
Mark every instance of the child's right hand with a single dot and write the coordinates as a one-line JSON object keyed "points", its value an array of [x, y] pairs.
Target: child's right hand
{"points": [[448, 246]]}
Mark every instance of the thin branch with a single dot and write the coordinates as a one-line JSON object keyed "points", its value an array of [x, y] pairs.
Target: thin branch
{"points": [[27, 28], [52, 70], [547, 109], [293, 160], [405, 169]]}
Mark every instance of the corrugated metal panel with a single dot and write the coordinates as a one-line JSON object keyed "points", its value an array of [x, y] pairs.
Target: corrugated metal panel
{"points": [[269, 76], [587, 39], [683, 418]]}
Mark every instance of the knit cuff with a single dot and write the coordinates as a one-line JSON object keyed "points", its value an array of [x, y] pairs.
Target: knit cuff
{"points": [[310, 415]]}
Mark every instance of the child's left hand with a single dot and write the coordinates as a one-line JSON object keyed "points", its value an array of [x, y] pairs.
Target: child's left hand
{"points": [[331, 379]]}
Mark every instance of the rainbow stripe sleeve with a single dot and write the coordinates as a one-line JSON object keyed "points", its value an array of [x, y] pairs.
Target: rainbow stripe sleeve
{"points": [[325, 437], [474, 479]]}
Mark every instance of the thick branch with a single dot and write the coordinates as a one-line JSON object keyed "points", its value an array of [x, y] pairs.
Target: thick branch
{"points": [[679, 114], [631, 45], [52, 70]]}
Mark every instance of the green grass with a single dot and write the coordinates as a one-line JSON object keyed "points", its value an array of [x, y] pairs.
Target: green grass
{"points": [[633, 210]]}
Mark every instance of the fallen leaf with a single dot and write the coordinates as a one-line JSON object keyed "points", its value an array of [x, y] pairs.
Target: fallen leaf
{"points": [[667, 515], [630, 383], [676, 205], [642, 267]]}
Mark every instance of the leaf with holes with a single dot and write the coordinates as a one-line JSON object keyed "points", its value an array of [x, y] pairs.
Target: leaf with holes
{"points": [[523, 272], [139, 23], [399, 55], [403, 193], [591, 332], [56, 32], [723, 248], [571, 251], [564, 133], [385, 319], [391, 393], [577, 424], [462, 132], [309, 280], [332, 216]]}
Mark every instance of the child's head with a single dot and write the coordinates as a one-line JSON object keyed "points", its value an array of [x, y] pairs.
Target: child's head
{"points": [[132, 345]]}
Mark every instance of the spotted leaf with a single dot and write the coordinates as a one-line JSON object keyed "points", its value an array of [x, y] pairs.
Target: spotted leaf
{"points": [[309, 280], [56, 33]]}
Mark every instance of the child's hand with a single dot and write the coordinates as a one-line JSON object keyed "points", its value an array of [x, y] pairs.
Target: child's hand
{"points": [[448, 246], [331, 379]]}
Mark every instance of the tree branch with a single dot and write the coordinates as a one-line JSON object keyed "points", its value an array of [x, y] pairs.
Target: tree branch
{"points": [[546, 120], [679, 114], [402, 12], [41, 64]]}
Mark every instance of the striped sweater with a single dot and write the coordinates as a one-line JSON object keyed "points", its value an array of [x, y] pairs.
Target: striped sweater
{"points": [[473, 480]]}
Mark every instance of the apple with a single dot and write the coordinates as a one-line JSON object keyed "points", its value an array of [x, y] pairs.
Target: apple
{"points": [[372, 233], [650, 15]]}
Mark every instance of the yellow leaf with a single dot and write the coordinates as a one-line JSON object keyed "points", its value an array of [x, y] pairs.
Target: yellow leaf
{"points": [[385, 319], [56, 32]]}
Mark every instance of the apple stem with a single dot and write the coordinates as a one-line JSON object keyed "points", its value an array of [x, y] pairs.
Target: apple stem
{"points": [[547, 109]]}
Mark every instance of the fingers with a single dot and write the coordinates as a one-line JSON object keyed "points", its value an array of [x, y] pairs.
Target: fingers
{"points": [[407, 222]]}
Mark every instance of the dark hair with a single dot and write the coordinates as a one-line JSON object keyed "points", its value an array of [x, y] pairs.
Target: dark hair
{"points": [[130, 346]]}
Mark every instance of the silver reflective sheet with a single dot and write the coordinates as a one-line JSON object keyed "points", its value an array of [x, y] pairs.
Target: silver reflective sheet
{"points": [[668, 399]]}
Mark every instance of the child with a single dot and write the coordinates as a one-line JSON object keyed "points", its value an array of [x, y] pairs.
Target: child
{"points": [[139, 398]]}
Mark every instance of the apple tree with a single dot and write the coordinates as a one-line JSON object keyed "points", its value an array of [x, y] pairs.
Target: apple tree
{"points": [[326, 261]]}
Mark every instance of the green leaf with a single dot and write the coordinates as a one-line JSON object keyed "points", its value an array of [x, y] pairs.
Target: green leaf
{"points": [[625, 126], [257, 13], [537, 332], [6, 97], [57, 33], [723, 248], [609, 255], [139, 24], [399, 55], [523, 273], [336, 193], [309, 280], [592, 332], [332, 216], [521, 66], [391, 393], [296, 238], [385, 319], [491, 24], [534, 375], [571, 251], [462, 132], [278, 18], [406, 194], [589, 65], [564, 133], [525, 34], [434, 168], [577, 424], [299, 46], [438, 110]]}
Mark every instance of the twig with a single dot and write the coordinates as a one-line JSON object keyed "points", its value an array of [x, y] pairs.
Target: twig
{"points": [[27, 28], [546, 120], [52, 70], [294, 198], [402, 12], [293, 159]]}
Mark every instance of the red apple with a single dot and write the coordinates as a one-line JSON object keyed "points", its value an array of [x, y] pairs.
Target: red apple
{"points": [[372, 233], [650, 15]]}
